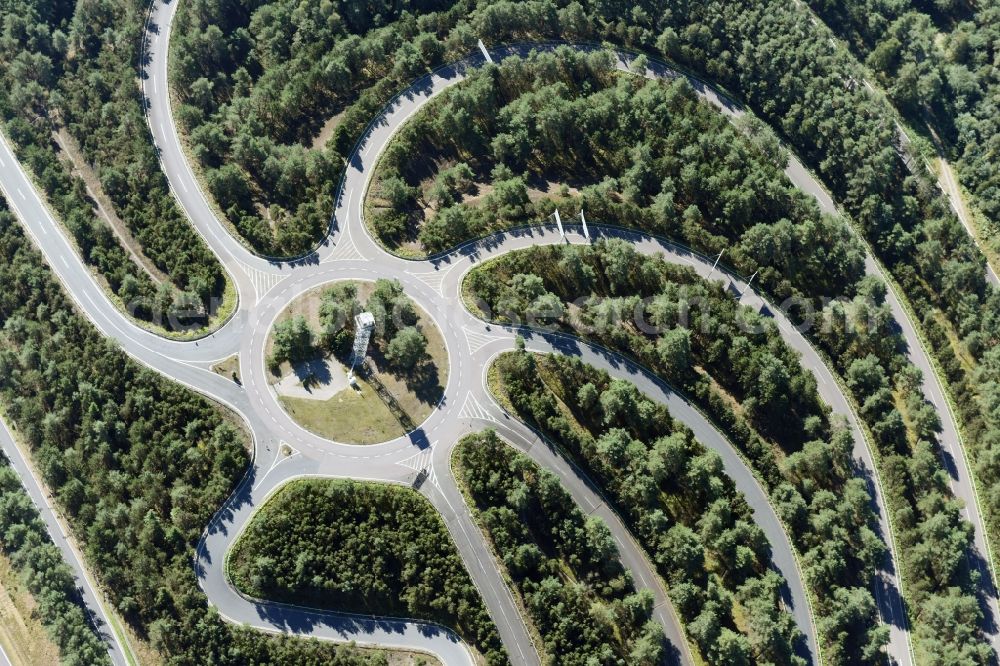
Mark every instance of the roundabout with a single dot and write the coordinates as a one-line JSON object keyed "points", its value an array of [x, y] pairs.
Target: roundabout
{"points": [[286, 447], [381, 394]]}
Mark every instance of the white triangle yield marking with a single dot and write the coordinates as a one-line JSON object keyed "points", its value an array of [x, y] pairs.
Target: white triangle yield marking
{"points": [[434, 280], [345, 250], [476, 340], [262, 281], [473, 410], [422, 460]]}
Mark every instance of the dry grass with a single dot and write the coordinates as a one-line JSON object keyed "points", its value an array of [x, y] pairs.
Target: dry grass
{"points": [[21, 633], [70, 150], [228, 368]]}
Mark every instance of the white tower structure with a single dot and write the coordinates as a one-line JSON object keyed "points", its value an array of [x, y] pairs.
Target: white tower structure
{"points": [[364, 324]]}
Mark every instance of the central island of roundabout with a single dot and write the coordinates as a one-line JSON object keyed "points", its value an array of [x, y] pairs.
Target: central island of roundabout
{"points": [[356, 361]]}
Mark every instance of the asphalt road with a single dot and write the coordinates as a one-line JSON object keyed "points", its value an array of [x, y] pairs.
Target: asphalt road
{"points": [[92, 600], [349, 253]]}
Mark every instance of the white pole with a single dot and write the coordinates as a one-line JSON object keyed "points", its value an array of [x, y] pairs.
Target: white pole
{"points": [[559, 224], [586, 234], [486, 54], [748, 283], [715, 264]]}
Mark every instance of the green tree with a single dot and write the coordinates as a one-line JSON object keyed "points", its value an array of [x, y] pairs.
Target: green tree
{"points": [[407, 348]]}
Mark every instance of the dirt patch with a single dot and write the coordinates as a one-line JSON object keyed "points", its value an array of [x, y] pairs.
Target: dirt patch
{"points": [[70, 150], [326, 131], [320, 379], [21, 633]]}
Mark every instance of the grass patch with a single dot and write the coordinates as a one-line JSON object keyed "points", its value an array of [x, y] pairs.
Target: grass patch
{"points": [[22, 635], [388, 401], [228, 368], [357, 416]]}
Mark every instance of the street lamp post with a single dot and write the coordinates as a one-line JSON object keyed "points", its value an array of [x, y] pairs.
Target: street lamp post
{"points": [[715, 264], [745, 290]]}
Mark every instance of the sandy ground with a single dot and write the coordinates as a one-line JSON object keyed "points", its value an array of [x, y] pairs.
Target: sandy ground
{"points": [[320, 379]]}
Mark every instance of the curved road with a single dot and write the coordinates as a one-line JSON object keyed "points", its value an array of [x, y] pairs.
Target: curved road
{"points": [[264, 287]]}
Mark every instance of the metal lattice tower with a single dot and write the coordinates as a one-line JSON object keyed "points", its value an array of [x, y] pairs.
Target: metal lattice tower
{"points": [[364, 324]]}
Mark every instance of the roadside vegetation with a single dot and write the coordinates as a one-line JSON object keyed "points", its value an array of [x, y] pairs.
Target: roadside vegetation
{"points": [[937, 62], [75, 69], [769, 54], [848, 136], [564, 565], [138, 465], [23, 636], [309, 353], [733, 363], [273, 96], [366, 548], [673, 495], [856, 332], [40, 566]]}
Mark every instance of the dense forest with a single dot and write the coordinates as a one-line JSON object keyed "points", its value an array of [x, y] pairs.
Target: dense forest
{"points": [[733, 363], [361, 547], [77, 68], [564, 564], [638, 153], [24, 539], [675, 498], [768, 53], [138, 465], [257, 82], [937, 60]]}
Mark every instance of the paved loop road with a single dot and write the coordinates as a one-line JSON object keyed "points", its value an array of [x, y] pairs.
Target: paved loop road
{"points": [[265, 286]]}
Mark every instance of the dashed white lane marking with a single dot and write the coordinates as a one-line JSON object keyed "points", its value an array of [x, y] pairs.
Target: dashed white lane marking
{"points": [[64, 262], [20, 192]]}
